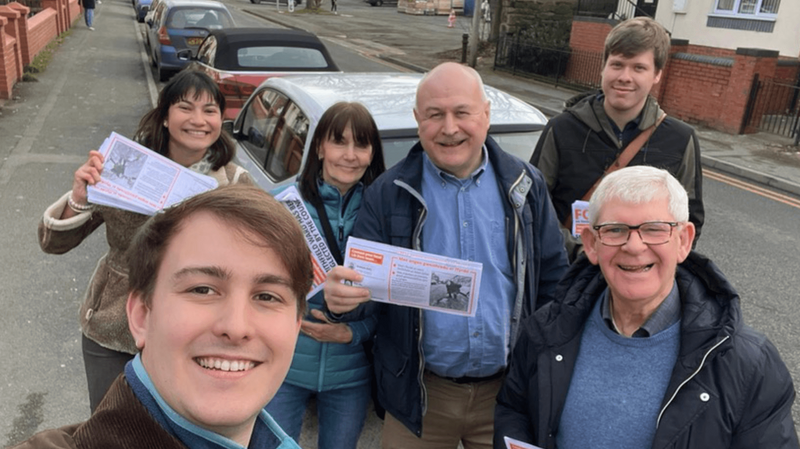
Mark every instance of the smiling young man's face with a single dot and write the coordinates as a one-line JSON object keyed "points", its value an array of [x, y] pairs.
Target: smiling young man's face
{"points": [[219, 333], [626, 83]]}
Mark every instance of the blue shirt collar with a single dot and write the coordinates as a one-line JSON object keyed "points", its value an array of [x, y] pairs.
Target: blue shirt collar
{"points": [[665, 315], [266, 432], [429, 166]]}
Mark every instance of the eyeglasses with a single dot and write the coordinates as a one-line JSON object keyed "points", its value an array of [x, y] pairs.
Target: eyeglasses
{"points": [[651, 232]]}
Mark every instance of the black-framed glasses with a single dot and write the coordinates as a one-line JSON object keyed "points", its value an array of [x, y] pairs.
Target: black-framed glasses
{"points": [[650, 232]]}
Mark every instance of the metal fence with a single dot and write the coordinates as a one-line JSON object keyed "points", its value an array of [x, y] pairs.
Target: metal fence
{"points": [[611, 9], [556, 65], [34, 5], [774, 107]]}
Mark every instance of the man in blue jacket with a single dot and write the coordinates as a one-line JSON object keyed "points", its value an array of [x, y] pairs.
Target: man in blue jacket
{"points": [[456, 194], [645, 345]]}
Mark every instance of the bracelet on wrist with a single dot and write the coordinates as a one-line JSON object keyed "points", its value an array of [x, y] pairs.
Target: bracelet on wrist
{"points": [[78, 208]]}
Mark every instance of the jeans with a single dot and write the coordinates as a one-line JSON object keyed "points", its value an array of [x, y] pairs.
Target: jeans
{"points": [[102, 366], [341, 413], [88, 14]]}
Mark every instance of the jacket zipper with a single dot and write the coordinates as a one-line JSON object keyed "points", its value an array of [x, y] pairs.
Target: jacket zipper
{"points": [[702, 363]]}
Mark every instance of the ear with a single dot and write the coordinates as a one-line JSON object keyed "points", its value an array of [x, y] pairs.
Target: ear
{"points": [[138, 314], [417, 116], [487, 109], [658, 76], [685, 240], [590, 241]]}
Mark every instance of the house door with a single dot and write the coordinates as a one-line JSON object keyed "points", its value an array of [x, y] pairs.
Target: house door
{"points": [[646, 8]]}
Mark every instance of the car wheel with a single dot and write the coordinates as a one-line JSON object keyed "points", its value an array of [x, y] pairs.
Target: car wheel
{"points": [[257, 2]]}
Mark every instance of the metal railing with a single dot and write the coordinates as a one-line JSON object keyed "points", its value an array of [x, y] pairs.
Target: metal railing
{"points": [[774, 107], [556, 65], [34, 5], [610, 9]]}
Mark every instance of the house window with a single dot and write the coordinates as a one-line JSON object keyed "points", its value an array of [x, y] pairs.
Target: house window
{"points": [[748, 8]]}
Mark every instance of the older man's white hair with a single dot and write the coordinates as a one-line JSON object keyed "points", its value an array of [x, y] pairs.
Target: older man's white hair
{"points": [[640, 184]]}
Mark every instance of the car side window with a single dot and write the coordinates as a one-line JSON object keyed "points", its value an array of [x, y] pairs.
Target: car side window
{"points": [[206, 52], [288, 143], [260, 123]]}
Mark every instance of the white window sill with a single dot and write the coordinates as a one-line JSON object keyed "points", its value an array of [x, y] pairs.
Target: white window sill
{"points": [[744, 17]]}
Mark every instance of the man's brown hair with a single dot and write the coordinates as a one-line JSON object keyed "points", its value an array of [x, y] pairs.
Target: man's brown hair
{"points": [[636, 36], [250, 212]]}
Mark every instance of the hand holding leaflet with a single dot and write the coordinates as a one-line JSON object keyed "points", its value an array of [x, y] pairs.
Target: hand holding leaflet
{"points": [[140, 180], [416, 279]]}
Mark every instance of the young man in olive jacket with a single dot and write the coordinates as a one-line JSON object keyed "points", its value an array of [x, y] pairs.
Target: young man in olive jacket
{"points": [[217, 293], [644, 345], [578, 145]]}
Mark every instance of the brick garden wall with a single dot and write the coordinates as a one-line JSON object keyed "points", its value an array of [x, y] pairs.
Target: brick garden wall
{"points": [[22, 38]]}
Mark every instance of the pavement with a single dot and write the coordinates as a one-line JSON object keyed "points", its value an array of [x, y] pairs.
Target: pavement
{"points": [[383, 33]]}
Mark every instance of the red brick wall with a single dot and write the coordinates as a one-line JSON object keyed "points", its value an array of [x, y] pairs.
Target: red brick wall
{"points": [[694, 91], [42, 28], [587, 40], [8, 61]]}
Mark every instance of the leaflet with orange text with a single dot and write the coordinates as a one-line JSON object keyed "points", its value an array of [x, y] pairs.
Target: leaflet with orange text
{"points": [[415, 279]]}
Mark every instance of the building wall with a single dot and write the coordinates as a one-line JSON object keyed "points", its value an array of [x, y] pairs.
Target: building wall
{"points": [[690, 24]]}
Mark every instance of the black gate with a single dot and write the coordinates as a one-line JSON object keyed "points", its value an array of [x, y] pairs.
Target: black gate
{"points": [[774, 107]]}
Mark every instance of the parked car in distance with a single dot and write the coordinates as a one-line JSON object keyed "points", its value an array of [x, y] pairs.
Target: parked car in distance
{"points": [[182, 25], [274, 128], [283, 2], [240, 59], [141, 7], [150, 12], [381, 2]]}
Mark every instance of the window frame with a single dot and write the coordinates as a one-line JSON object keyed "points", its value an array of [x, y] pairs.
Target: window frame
{"points": [[734, 11]]}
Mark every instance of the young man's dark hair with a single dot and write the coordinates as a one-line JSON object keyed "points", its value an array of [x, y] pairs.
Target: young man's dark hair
{"points": [[636, 36]]}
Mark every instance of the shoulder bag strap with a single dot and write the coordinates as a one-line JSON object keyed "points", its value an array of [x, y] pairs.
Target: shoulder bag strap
{"points": [[622, 161], [333, 246]]}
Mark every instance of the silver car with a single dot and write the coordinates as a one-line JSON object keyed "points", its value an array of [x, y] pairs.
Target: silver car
{"points": [[273, 131]]}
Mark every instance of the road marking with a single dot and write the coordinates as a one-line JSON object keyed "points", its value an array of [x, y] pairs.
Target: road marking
{"points": [[761, 191]]}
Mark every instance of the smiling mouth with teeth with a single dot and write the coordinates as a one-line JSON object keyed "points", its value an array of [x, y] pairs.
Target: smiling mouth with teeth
{"points": [[636, 268], [224, 365]]}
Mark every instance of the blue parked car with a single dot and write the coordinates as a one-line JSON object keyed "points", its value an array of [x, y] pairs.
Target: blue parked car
{"points": [[141, 7], [179, 25]]}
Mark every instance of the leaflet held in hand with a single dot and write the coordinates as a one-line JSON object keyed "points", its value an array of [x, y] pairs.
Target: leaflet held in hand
{"points": [[416, 279], [140, 180]]}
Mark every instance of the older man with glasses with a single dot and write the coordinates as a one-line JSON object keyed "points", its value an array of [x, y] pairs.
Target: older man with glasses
{"points": [[645, 345]]}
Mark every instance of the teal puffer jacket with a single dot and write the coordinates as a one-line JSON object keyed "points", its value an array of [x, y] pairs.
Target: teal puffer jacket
{"points": [[331, 366]]}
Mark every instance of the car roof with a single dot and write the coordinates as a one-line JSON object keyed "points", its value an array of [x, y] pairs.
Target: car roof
{"points": [[229, 40], [200, 3], [390, 98], [276, 36]]}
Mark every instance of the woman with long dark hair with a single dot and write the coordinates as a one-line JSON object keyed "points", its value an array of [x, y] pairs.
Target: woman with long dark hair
{"points": [[345, 156], [185, 126]]}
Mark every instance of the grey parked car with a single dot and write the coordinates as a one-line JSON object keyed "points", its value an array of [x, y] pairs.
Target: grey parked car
{"points": [[274, 128]]}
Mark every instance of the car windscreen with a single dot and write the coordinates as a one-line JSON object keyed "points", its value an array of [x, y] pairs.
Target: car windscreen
{"points": [[199, 18], [520, 144], [271, 57]]}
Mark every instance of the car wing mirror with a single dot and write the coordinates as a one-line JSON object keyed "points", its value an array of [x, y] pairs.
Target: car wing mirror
{"points": [[184, 55], [227, 126]]}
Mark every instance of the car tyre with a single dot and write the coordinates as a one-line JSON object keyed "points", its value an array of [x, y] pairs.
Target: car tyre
{"points": [[163, 75], [257, 2]]}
